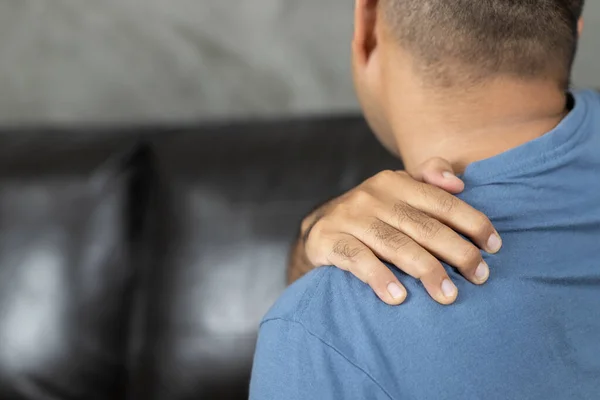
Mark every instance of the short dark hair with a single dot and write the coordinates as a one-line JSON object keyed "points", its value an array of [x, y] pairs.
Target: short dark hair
{"points": [[458, 42]]}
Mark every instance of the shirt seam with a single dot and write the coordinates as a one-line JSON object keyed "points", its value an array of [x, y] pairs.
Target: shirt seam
{"points": [[551, 155], [334, 349], [306, 302]]}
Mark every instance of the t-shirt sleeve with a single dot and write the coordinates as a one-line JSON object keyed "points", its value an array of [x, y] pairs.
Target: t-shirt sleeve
{"points": [[292, 364]]}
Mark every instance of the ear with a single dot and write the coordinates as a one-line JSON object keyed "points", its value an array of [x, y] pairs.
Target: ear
{"points": [[365, 22], [580, 26]]}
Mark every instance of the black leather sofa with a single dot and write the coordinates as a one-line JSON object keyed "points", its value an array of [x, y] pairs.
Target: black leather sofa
{"points": [[137, 263]]}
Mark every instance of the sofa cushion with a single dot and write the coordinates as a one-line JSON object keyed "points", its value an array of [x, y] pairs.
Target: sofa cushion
{"points": [[67, 252]]}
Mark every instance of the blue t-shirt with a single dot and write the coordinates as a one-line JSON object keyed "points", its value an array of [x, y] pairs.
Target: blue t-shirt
{"points": [[532, 332]]}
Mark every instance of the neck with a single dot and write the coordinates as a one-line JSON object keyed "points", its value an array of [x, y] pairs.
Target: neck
{"points": [[474, 126]]}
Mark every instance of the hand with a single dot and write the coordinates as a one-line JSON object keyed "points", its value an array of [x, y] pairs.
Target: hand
{"points": [[408, 221]]}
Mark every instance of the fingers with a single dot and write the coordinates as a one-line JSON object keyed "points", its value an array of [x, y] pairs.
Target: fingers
{"points": [[438, 172], [349, 254], [456, 214], [400, 250], [441, 241], [411, 224]]}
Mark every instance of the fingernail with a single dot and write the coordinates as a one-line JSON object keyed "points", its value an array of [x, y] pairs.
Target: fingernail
{"points": [[449, 289], [494, 243], [482, 272], [396, 291], [449, 176]]}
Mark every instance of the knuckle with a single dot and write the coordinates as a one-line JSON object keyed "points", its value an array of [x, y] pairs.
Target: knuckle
{"points": [[370, 275], [470, 257], [316, 248], [383, 178], [318, 230], [416, 257], [429, 228], [402, 212], [346, 251], [379, 230], [340, 210], [358, 199], [482, 226], [316, 258], [424, 190], [435, 162], [427, 269], [402, 174], [446, 204], [388, 236], [397, 241]]}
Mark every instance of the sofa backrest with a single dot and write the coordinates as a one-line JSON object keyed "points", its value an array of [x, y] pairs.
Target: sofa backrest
{"points": [[138, 264]]}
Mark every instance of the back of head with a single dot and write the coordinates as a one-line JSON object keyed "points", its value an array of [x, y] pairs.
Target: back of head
{"points": [[464, 42]]}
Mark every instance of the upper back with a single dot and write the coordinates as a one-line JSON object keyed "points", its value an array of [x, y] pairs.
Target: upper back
{"points": [[533, 331]]}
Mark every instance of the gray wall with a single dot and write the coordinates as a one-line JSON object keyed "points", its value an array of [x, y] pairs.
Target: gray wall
{"points": [[142, 60], [587, 69]]}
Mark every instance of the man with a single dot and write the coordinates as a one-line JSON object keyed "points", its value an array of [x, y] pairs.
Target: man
{"points": [[480, 83]]}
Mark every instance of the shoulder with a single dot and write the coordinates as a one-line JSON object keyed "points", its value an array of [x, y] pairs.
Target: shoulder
{"points": [[292, 305], [331, 315], [330, 304], [588, 95], [336, 307], [315, 299], [331, 312], [301, 352]]}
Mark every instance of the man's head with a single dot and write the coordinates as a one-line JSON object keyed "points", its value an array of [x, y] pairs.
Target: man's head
{"points": [[451, 47]]}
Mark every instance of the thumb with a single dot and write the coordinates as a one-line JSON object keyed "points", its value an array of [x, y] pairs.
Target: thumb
{"points": [[438, 172]]}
